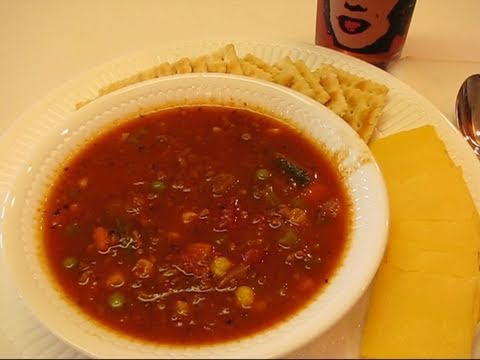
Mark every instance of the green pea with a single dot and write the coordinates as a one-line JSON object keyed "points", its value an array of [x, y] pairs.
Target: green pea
{"points": [[70, 262], [158, 185], [116, 300], [262, 174]]}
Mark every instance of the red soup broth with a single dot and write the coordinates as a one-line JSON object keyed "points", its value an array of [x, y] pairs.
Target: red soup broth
{"points": [[196, 225]]}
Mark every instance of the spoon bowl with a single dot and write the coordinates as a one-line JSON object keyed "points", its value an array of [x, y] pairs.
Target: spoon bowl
{"points": [[468, 111]]}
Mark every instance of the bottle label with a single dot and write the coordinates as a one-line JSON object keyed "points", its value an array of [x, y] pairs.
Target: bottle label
{"points": [[367, 26]]}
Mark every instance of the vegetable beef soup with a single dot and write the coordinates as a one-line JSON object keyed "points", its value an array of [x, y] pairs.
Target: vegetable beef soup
{"points": [[195, 225]]}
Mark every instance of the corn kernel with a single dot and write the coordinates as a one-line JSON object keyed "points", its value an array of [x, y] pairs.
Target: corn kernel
{"points": [[245, 296], [220, 265], [189, 216], [182, 308]]}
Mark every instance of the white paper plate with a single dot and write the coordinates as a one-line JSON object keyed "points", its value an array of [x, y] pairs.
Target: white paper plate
{"points": [[21, 335]]}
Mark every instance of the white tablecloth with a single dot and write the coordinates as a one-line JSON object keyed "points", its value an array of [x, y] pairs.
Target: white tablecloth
{"points": [[43, 43]]}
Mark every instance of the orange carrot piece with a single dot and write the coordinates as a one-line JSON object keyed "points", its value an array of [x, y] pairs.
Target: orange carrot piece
{"points": [[316, 192], [100, 236]]}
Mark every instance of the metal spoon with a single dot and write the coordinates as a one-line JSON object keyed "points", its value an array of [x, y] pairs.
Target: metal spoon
{"points": [[468, 111]]}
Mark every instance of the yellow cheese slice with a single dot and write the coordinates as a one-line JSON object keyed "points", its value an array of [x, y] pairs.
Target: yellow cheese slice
{"points": [[418, 315], [412, 258], [437, 247], [422, 181], [425, 298], [453, 236], [433, 195], [407, 153]]}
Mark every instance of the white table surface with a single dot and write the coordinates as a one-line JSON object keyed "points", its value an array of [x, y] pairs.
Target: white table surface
{"points": [[43, 43]]}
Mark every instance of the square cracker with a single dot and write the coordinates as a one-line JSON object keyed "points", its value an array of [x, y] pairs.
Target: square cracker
{"points": [[320, 94], [252, 70], [199, 64], [216, 65], [260, 64], [225, 60], [148, 74], [365, 101], [329, 81], [182, 66], [288, 75], [165, 69], [232, 60]]}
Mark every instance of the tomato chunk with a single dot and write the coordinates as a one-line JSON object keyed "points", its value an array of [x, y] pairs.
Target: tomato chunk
{"points": [[195, 259], [101, 238], [143, 268], [198, 251], [316, 192]]}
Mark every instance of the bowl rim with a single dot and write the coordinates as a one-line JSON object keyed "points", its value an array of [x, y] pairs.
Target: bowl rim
{"points": [[297, 338]]}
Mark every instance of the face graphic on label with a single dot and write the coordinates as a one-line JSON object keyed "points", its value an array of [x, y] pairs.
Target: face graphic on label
{"points": [[359, 23]]}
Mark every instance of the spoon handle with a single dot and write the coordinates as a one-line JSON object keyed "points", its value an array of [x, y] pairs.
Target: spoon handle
{"points": [[473, 98], [468, 111]]}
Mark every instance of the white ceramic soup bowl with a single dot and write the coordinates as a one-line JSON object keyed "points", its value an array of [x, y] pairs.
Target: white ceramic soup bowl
{"points": [[47, 144]]}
